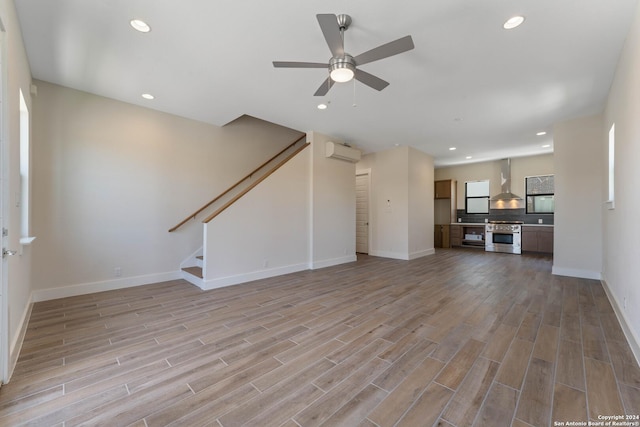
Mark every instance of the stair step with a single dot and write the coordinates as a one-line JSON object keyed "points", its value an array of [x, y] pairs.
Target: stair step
{"points": [[196, 271], [200, 257]]}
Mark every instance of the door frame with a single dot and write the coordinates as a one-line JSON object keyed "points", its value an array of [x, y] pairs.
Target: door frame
{"points": [[367, 172], [4, 176]]}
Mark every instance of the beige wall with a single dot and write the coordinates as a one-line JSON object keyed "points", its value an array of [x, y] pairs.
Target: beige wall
{"points": [[401, 214], [621, 233], [421, 203], [111, 178], [521, 167], [16, 296], [578, 217], [333, 205], [302, 217]]}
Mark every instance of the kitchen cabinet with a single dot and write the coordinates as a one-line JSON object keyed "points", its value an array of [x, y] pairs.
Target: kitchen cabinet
{"points": [[537, 239], [444, 207], [473, 236], [443, 189], [458, 234], [455, 233], [441, 236]]}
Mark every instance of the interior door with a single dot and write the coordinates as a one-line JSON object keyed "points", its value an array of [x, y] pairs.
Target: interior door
{"points": [[362, 212]]}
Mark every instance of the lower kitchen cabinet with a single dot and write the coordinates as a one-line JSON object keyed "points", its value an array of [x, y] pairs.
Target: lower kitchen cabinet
{"points": [[455, 234], [441, 236], [537, 239], [467, 235]]}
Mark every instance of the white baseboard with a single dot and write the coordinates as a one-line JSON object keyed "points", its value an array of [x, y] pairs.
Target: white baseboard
{"points": [[422, 253], [582, 274], [16, 345], [333, 261], [107, 285], [221, 282], [393, 255], [632, 338]]}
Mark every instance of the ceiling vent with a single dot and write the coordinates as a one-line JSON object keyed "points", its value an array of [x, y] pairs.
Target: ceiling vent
{"points": [[505, 183], [342, 152]]}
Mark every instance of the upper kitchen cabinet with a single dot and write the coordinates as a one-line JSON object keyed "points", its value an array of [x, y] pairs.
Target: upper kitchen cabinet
{"points": [[444, 189]]}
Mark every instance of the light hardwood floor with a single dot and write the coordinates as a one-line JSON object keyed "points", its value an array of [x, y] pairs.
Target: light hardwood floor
{"points": [[459, 338]]}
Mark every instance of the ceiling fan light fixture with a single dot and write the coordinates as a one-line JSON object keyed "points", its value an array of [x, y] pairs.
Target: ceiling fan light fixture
{"points": [[341, 75], [343, 69]]}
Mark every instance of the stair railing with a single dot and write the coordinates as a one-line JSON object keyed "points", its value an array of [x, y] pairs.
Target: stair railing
{"points": [[249, 175], [253, 184]]}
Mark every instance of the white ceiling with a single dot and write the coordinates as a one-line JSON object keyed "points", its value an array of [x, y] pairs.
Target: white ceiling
{"points": [[468, 83]]}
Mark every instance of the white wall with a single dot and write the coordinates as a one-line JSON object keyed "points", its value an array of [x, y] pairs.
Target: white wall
{"points": [[401, 217], [302, 216], [111, 178], [621, 233], [333, 206], [16, 298], [389, 216], [577, 249], [421, 204], [265, 233]]}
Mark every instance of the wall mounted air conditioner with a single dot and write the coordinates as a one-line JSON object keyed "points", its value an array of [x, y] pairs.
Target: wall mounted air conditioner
{"points": [[342, 152]]}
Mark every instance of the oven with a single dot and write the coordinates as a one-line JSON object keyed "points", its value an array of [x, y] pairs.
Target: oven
{"points": [[503, 236]]}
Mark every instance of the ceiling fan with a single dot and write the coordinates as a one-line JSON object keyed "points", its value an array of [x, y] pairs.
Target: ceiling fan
{"points": [[342, 66]]}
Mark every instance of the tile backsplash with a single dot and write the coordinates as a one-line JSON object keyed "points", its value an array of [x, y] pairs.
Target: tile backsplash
{"points": [[504, 215]]}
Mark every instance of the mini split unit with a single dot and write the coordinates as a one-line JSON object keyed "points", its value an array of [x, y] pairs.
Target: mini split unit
{"points": [[342, 152]]}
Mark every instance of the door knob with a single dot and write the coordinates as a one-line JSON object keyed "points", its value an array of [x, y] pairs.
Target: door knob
{"points": [[6, 253]]}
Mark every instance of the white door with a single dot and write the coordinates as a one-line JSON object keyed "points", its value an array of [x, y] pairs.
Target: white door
{"points": [[362, 212]]}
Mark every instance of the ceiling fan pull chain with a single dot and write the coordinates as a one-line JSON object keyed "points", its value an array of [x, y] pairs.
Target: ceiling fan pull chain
{"points": [[354, 94]]}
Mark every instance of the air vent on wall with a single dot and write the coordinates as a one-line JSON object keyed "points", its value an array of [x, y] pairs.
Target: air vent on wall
{"points": [[342, 152]]}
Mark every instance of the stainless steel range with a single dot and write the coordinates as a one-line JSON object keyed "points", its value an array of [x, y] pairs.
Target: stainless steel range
{"points": [[503, 236]]}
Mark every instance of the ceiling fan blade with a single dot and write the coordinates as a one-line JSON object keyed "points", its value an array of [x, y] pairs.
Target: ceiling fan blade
{"points": [[371, 80], [386, 50], [289, 64], [329, 26], [324, 87]]}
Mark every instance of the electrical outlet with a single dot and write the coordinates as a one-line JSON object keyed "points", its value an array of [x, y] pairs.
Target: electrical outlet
{"points": [[265, 263], [117, 271]]}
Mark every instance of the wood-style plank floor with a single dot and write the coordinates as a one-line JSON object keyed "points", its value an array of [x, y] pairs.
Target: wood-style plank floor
{"points": [[459, 338]]}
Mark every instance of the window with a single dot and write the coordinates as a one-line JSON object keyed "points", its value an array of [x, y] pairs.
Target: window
{"points": [[24, 172], [540, 194], [612, 163], [477, 197]]}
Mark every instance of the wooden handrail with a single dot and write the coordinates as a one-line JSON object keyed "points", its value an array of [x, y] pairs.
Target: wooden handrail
{"points": [[258, 181], [193, 215]]}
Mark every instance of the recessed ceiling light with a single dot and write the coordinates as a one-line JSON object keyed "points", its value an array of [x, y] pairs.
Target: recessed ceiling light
{"points": [[140, 25], [541, 133], [147, 96], [322, 106], [546, 146], [469, 157], [452, 148], [513, 22]]}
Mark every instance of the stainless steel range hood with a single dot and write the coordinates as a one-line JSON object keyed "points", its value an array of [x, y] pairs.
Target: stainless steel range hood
{"points": [[505, 183]]}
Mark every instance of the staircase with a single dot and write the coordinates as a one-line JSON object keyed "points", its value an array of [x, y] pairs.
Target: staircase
{"points": [[196, 270], [193, 268]]}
